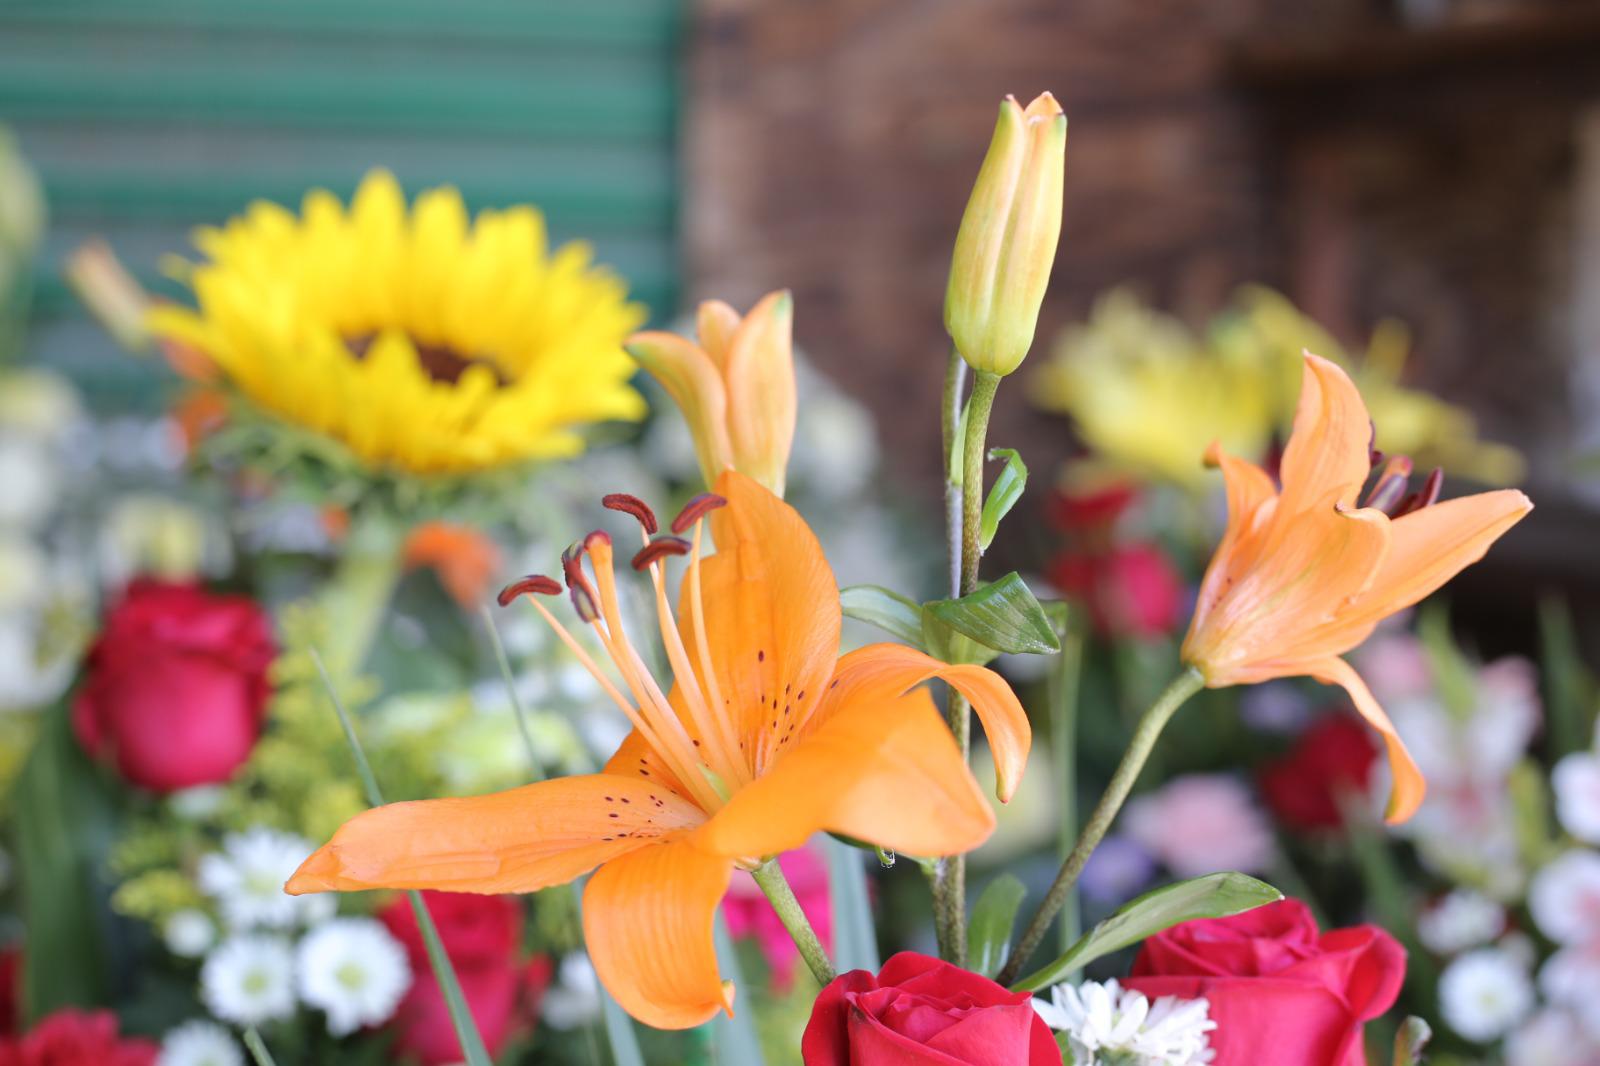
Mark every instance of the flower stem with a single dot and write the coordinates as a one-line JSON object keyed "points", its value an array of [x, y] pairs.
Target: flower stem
{"points": [[1145, 734], [950, 876], [955, 377], [770, 877]]}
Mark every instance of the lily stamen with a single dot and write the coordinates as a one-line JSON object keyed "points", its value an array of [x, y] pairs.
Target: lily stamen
{"points": [[632, 505], [697, 509]]}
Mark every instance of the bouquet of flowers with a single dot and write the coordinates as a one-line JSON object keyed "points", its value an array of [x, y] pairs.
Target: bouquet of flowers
{"points": [[656, 802]]}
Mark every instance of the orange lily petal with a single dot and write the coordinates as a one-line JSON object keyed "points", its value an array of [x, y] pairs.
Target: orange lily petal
{"points": [[883, 768], [1331, 556], [515, 841], [866, 672], [1427, 548], [647, 925], [695, 384], [759, 373], [716, 323], [1436, 543], [636, 758], [1409, 786], [1331, 443], [1251, 499], [771, 614]]}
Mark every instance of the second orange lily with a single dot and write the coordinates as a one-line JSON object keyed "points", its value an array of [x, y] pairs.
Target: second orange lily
{"points": [[1305, 574], [766, 738]]}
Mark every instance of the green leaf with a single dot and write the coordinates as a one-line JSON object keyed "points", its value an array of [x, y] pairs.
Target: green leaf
{"points": [[1569, 689], [891, 612], [855, 941], [1212, 896], [1003, 495], [620, 1032], [989, 935], [948, 646], [1413, 1036], [64, 817], [1002, 615]]}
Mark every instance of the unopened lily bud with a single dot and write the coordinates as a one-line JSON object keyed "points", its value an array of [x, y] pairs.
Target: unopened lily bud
{"points": [[1007, 241], [735, 387]]}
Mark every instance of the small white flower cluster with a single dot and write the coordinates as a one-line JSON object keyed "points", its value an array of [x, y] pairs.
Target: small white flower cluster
{"points": [[1108, 1025], [1489, 992], [351, 969]]}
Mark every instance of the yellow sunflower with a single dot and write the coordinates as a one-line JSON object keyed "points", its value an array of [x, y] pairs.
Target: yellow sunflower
{"points": [[426, 342]]}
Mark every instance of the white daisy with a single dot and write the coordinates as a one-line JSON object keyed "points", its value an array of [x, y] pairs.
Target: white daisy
{"points": [[199, 1043], [246, 879], [1461, 920], [1106, 1023], [354, 970], [1484, 993], [249, 980], [1565, 897], [189, 934], [1577, 785]]}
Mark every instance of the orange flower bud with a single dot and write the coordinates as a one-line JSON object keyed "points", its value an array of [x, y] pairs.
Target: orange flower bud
{"points": [[736, 387]]}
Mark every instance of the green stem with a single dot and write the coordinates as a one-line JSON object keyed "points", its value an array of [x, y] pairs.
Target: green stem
{"points": [[1144, 739], [357, 595], [950, 877], [955, 377], [979, 407], [535, 768], [770, 877], [1064, 732]]}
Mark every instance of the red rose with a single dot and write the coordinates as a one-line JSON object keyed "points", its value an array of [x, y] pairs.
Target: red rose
{"points": [[1091, 508], [176, 685], [922, 1010], [77, 1038], [1332, 759], [1131, 590], [482, 935], [10, 990], [1281, 993]]}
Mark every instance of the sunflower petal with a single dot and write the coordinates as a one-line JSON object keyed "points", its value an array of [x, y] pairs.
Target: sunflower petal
{"points": [[1409, 786], [885, 771], [647, 925], [515, 841]]}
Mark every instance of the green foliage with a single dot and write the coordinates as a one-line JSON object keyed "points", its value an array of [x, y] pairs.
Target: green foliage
{"points": [[65, 818], [1212, 896], [1002, 615], [993, 916], [1003, 494]]}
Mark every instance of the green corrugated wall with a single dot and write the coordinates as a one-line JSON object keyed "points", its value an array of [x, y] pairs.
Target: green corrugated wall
{"points": [[147, 117]]}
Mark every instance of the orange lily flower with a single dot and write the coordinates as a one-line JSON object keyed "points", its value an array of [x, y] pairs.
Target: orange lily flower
{"points": [[735, 388], [767, 737], [1304, 574]]}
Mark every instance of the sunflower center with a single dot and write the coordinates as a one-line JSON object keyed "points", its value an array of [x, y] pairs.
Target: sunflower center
{"points": [[439, 362]]}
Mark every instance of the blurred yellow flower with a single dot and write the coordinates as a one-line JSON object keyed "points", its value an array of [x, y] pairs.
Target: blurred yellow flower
{"points": [[1149, 395], [424, 341]]}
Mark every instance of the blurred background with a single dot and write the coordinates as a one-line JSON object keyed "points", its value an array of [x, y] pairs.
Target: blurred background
{"points": [[1437, 161]]}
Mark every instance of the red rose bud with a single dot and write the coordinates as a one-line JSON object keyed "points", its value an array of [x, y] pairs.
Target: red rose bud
{"points": [[922, 1010], [482, 935], [176, 685], [1307, 787], [1131, 590], [1278, 990]]}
